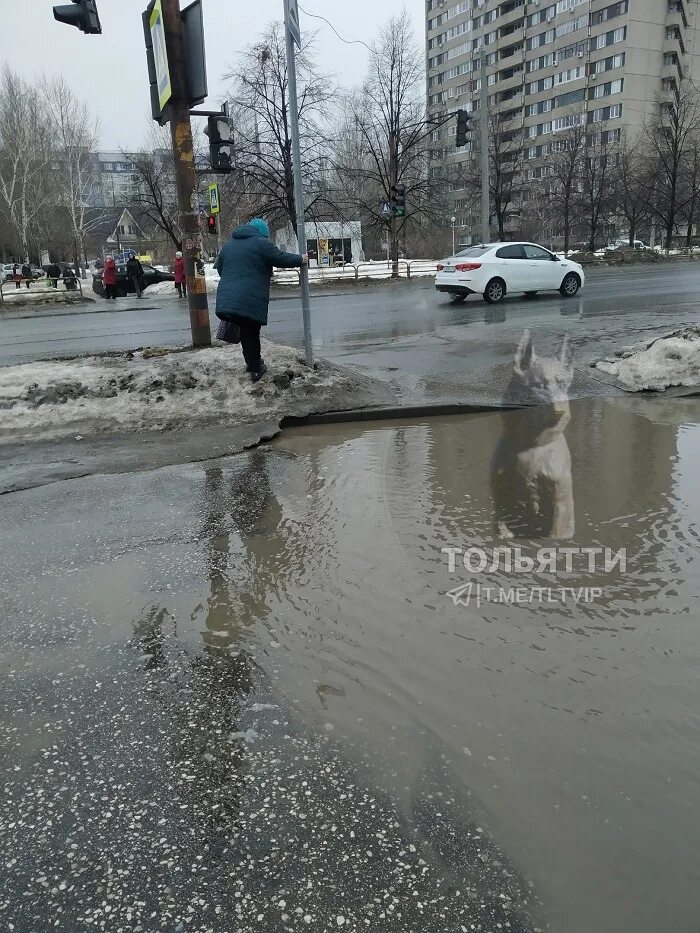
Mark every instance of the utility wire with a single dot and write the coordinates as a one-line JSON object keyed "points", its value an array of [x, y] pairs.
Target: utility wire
{"points": [[328, 23]]}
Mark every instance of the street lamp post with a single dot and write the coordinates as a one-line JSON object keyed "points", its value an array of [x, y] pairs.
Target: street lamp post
{"points": [[454, 249]]}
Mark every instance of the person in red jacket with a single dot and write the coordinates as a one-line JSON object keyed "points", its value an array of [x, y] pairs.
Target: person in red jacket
{"points": [[109, 277], [180, 275]]}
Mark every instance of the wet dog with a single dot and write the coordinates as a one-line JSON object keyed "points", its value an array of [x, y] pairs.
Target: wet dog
{"points": [[531, 467]]}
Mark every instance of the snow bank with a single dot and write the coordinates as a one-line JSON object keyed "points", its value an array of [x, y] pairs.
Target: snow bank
{"points": [[672, 360], [165, 389]]}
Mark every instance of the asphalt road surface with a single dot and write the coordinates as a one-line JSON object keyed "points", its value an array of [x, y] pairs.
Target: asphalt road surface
{"points": [[406, 333]]}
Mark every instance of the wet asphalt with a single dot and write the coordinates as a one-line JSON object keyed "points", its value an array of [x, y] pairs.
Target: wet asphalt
{"points": [[406, 334]]}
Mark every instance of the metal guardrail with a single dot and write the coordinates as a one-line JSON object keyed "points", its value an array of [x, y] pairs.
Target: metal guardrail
{"points": [[353, 273], [42, 284]]}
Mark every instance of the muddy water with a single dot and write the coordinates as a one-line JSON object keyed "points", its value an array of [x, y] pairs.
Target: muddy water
{"points": [[575, 726], [143, 619]]}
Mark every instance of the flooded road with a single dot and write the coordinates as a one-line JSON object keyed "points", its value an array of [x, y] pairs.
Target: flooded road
{"points": [[256, 693]]}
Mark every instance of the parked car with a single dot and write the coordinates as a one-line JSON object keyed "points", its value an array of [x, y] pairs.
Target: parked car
{"points": [[625, 244], [37, 272], [151, 276], [495, 269]]}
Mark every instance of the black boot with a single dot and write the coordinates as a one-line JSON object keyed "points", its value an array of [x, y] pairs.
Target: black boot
{"points": [[257, 374]]}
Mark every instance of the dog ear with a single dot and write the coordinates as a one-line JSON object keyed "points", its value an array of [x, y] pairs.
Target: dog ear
{"points": [[566, 352], [525, 352]]}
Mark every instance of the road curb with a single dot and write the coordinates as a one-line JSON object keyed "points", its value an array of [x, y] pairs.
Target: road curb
{"points": [[395, 412]]}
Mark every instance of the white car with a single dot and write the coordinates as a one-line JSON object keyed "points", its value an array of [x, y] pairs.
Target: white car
{"points": [[496, 269]]}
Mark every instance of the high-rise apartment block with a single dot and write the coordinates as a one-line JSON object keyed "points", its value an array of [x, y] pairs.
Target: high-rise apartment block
{"points": [[553, 64]]}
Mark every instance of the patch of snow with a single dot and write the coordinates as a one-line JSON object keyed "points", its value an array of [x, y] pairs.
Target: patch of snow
{"points": [[672, 360], [164, 389]]}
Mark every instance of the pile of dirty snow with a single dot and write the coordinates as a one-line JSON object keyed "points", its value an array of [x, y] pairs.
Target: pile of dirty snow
{"points": [[671, 360], [152, 390]]}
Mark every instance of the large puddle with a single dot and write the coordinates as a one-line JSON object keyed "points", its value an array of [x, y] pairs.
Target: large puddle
{"points": [[545, 701]]}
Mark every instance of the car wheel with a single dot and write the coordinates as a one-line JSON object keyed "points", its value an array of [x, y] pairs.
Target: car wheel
{"points": [[457, 299], [570, 285], [495, 291], [529, 294], [121, 291]]}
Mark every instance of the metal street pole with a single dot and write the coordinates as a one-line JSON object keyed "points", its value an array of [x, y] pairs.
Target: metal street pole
{"points": [[454, 221], [485, 181], [299, 193], [185, 175]]}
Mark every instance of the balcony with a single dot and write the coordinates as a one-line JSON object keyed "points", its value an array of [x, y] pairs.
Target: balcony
{"points": [[676, 21], [512, 101], [674, 42], [511, 83], [512, 20], [671, 71]]}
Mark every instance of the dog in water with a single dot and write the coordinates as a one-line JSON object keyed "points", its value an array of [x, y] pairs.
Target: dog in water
{"points": [[531, 466]]}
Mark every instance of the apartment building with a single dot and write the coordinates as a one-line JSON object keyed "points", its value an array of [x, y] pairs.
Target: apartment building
{"points": [[550, 65]]}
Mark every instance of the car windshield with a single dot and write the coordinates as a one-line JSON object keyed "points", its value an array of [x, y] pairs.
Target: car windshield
{"points": [[474, 251]]}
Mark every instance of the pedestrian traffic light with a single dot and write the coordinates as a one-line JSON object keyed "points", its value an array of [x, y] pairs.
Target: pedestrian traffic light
{"points": [[220, 144], [80, 13], [398, 197], [212, 226], [463, 127]]}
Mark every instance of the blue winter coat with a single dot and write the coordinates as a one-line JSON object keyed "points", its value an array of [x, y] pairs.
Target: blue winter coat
{"points": [[245, 265]]}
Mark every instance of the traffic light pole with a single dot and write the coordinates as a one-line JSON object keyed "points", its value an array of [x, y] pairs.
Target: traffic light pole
{"points": [[485, 180], [299, 193], [185, 175]]}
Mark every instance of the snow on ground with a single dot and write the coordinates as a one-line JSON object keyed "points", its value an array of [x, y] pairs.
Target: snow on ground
{"points": [[163, 389], [672, 360]]}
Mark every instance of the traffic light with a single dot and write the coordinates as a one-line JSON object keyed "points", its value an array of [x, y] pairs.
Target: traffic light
{"points": [[157, 112], [463, 127], [80, 13], [398, 197], [220, 144], [212, 225]]}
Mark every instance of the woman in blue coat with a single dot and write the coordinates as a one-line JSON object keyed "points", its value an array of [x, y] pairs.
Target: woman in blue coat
{"points": [[245, 265]]}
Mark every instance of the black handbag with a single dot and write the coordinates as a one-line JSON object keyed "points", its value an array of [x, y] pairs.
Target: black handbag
{"points": [[228, 332]]}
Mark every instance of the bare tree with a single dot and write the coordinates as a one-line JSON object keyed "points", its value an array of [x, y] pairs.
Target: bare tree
{"points": [[671, 136], [565, 173], [506, 158], [598, 172], [75, 132], [691, 188], [262, 133], [634, 182], [26, 152], [154, 190], [393, 133]]}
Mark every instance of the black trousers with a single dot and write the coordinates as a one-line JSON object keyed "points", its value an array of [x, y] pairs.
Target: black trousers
{"points": [[250, 341]]}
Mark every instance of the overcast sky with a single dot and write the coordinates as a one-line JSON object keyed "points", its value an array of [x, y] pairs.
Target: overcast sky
{"points": [[110, 70]]}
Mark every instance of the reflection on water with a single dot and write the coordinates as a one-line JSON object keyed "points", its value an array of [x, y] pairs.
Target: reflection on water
{"points": [[313, 570], [573, 724], [531, 468]]}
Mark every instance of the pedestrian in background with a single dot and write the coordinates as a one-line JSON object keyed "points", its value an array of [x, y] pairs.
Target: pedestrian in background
{"points": [[54, 274], [180, 275], [17, 275], [27, 273], [134, 273], [109, 277], [245, 265]]}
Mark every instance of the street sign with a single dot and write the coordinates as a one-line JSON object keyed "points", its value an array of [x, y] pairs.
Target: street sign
{"points": [[291, 16], [214, 203], [160, 52], [385, 209], [323, 253]]}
